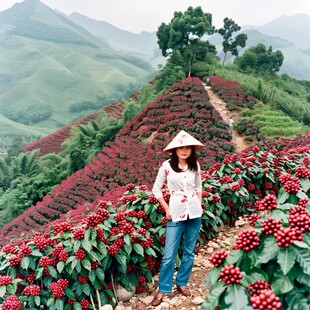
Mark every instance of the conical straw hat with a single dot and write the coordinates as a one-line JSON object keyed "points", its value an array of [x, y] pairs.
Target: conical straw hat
{"points": [[183, 139]]}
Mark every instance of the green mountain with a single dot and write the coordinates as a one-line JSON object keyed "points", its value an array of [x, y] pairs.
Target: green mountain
{"points": [[54, 71]]}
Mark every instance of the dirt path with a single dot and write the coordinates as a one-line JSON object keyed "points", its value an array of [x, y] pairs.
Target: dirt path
{"points": [[220, 106]]}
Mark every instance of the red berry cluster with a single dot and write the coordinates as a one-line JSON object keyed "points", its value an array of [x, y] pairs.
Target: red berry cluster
{"points": [[247, 240], [12, 302], [235, 187], [253, 219], [218, 257], [142, 280], [236, 170], [61, 228], [58, 287], [115, 231], [63, 256], [93, 220], [147, 243], [166, 196], [5, 280], [32, 290], [269, 202], [85, 304], [254, 288], [269, 226], [285, 177], [160, 208], [216, 198], [303, 202], [251, 187], [128, 198], [130, 186], [25, 249], [140, 289], [101, 236], [143, 188], [120, 217], [249, 204], [152, 199], [141, 231], [126, 227], [151, 264], [266, 300], [300, 221], [303, 172], [94, 265], [141, 215], [103, 214], [82, 279], [286, 236], [113, 249], [226, 179], [79, 233], [80, 254], [9, 248], [292, 186], [45, 261], [230, 274], [15, 260], [148, 224], [162, 240], [28, 279], [102, 204], [40, 242], [164, 221], [55, 252], [241, 182]]}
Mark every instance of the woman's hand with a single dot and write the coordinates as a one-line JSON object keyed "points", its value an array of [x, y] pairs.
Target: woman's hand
{"points": [[168, 214]]}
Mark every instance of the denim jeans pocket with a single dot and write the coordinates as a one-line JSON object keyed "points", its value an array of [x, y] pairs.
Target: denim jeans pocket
{"points": [[171, 223]]}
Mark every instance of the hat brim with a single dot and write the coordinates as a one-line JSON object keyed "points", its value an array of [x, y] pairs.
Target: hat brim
{"points": [[197, 147]]}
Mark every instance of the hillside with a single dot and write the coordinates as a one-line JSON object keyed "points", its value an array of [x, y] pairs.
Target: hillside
{"points": [[54, 71], [101, 229], [139, 144]]}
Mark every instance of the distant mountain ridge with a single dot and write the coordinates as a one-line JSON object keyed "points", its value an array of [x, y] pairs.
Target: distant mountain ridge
{"points": [[53, 71]]}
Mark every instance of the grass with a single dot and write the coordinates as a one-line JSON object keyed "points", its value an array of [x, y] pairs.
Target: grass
{"points": [[273, 123]]}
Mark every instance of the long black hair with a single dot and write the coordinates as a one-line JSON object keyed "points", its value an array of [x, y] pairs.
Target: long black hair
{"points": [[191, 161]]}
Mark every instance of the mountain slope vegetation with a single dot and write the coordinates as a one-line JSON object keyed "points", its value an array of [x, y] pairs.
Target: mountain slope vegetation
{"points": [[54, 71]]}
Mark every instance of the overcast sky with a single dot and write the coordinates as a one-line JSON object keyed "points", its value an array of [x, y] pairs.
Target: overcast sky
{"points": [[147, 15]]}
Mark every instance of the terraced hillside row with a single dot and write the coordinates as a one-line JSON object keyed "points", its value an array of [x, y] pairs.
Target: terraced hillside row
{"points": [[52, 143], [135, 155]]}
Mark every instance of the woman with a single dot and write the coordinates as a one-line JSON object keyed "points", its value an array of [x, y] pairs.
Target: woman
{"points": [[182, 174]]}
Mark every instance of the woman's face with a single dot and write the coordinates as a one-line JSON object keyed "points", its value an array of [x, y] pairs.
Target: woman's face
{"points": [[184, 152]]}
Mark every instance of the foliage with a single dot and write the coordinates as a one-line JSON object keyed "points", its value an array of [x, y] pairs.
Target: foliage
{"points": [[274, 255], [260, 59], [184, 34], [231, 44]]}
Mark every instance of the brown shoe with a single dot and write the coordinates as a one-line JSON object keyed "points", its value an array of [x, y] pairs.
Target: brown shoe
{"points": [[157, 300], [184, 290]]}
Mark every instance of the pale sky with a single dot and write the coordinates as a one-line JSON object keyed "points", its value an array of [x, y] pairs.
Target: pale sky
{"points": [[146, 15]]}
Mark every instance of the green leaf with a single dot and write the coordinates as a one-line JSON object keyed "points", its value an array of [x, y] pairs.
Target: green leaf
{"points": [[236, 297], [60, 266], [270, 250], [305, 183], [127, 239], [86, 289], [86, 264], [59, 304], [286, 259], [234, 257], [39, 272], [138, 249], [76, 245], [52, 271], [69, 293], [281, 284], [2, 290], [37, 300], [25, 262], [100, 274], [86, 245], [127, 248], [36, 253], [11, 288], [213, 276], [77, 306], [150, 251], [282, 195], [303, 258], [122, 261], [212, 299]]}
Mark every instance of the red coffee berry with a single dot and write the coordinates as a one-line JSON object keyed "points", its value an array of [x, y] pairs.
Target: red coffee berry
{"points": [[254, 288], [269, 226], [218, 257], [79, 233], [247, 240], [80, 254], [269, 202], [12, 302], [230, 274], [32, 290], [266, 300], [5, 280]]}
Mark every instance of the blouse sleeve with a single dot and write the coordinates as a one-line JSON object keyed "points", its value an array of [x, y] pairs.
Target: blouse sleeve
{"points": [[159, 182], [198, 182]]}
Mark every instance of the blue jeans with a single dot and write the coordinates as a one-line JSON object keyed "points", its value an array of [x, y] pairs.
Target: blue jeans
{"points": [[174, 232]]}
